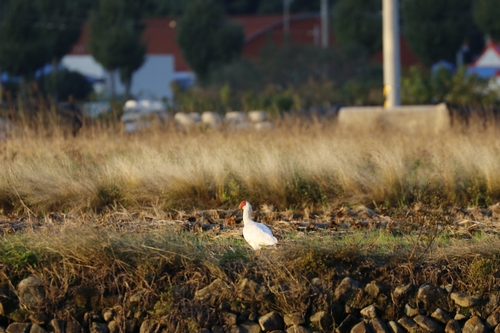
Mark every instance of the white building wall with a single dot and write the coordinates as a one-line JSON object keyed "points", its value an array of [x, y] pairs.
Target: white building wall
{"points": [[151, 81]]}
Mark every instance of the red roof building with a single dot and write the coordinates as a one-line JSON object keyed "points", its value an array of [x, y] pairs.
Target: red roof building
{"points": [[160, 37]]}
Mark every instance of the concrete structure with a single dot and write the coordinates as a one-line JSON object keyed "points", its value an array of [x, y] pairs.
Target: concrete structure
{"points": [[410, 119], [140, 115]]}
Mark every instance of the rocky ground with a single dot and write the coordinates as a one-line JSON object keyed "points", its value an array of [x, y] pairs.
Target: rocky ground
{"points": [[269, 293]]}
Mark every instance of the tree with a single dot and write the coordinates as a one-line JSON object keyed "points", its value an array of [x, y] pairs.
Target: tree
{"points": [[436, 29], [62, 22], [359, 22], [206, 38], [24, 48], [115, 38], [486, 15]]}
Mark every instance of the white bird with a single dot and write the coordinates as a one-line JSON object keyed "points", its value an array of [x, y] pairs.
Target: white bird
{"points": [[256, 234]]}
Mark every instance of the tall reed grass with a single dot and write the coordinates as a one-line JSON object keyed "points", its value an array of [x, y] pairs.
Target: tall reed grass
{"points": [[299, 164]]}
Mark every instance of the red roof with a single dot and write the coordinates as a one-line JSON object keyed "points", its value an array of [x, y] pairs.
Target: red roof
{"points": [[160, 36]]}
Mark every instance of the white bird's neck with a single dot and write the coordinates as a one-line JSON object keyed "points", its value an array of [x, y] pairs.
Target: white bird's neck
{"points": [[247, 215]]}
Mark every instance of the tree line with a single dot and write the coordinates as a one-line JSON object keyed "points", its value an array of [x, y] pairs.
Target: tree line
{"points": [[37, 32]]}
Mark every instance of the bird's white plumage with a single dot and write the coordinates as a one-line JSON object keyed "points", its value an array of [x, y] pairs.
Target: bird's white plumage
{"points": [[256, 234]]}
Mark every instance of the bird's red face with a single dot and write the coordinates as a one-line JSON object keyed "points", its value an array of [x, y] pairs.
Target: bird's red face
{"points": [[242, 204]]}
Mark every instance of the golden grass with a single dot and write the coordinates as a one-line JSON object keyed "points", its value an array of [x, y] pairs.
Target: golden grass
{"points": [[297, 165]]}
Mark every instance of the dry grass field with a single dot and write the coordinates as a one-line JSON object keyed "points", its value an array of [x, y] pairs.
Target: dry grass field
{"points": [[298, 165]]}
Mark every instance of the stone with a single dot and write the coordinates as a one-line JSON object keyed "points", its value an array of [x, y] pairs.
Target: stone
{"points": [[411, 312], [72, 326], [31, 292], [271, 321], [378, 326], [18, 328], [427, 295], [218, 329], [474, 325], [249, 288], [204, 330], [224, 306], [369, 312], [253, 316], [361, 327], [131, 325], [233, 329], [58, 325], [137, 296], [497, 329], [228, 318], [464, 301], [452, 326], [99, 328], [347, 324], [441, 316], [249, 327], [295, 318], [113, 327], [148, 326], [372, 289], [428, 324], [211, 292], [206, 317], [39, 318], [297, 329], [400, 294], [108, 315], [35, 328], [347, 289], [409, 324], [395, 327], [493, 320], [322, 320]]}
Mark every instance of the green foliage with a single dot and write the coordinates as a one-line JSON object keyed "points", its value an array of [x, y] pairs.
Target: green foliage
{"points": [[63, 21], [481, 272], [415, 87], [297, 76], [418, 87], [206, 38], [165, 304], [469, 90], [115, 37], [486, 14], [24, 48], [17, 255], [436, 29], [359, 22], [68, 84]]}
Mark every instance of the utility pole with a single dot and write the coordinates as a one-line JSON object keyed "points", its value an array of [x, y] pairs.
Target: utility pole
{"points": [[392, 66], [286, 21], [324, 23]]}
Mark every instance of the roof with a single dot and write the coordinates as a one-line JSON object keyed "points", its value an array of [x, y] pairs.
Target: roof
{"points": [[489, 57]]}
